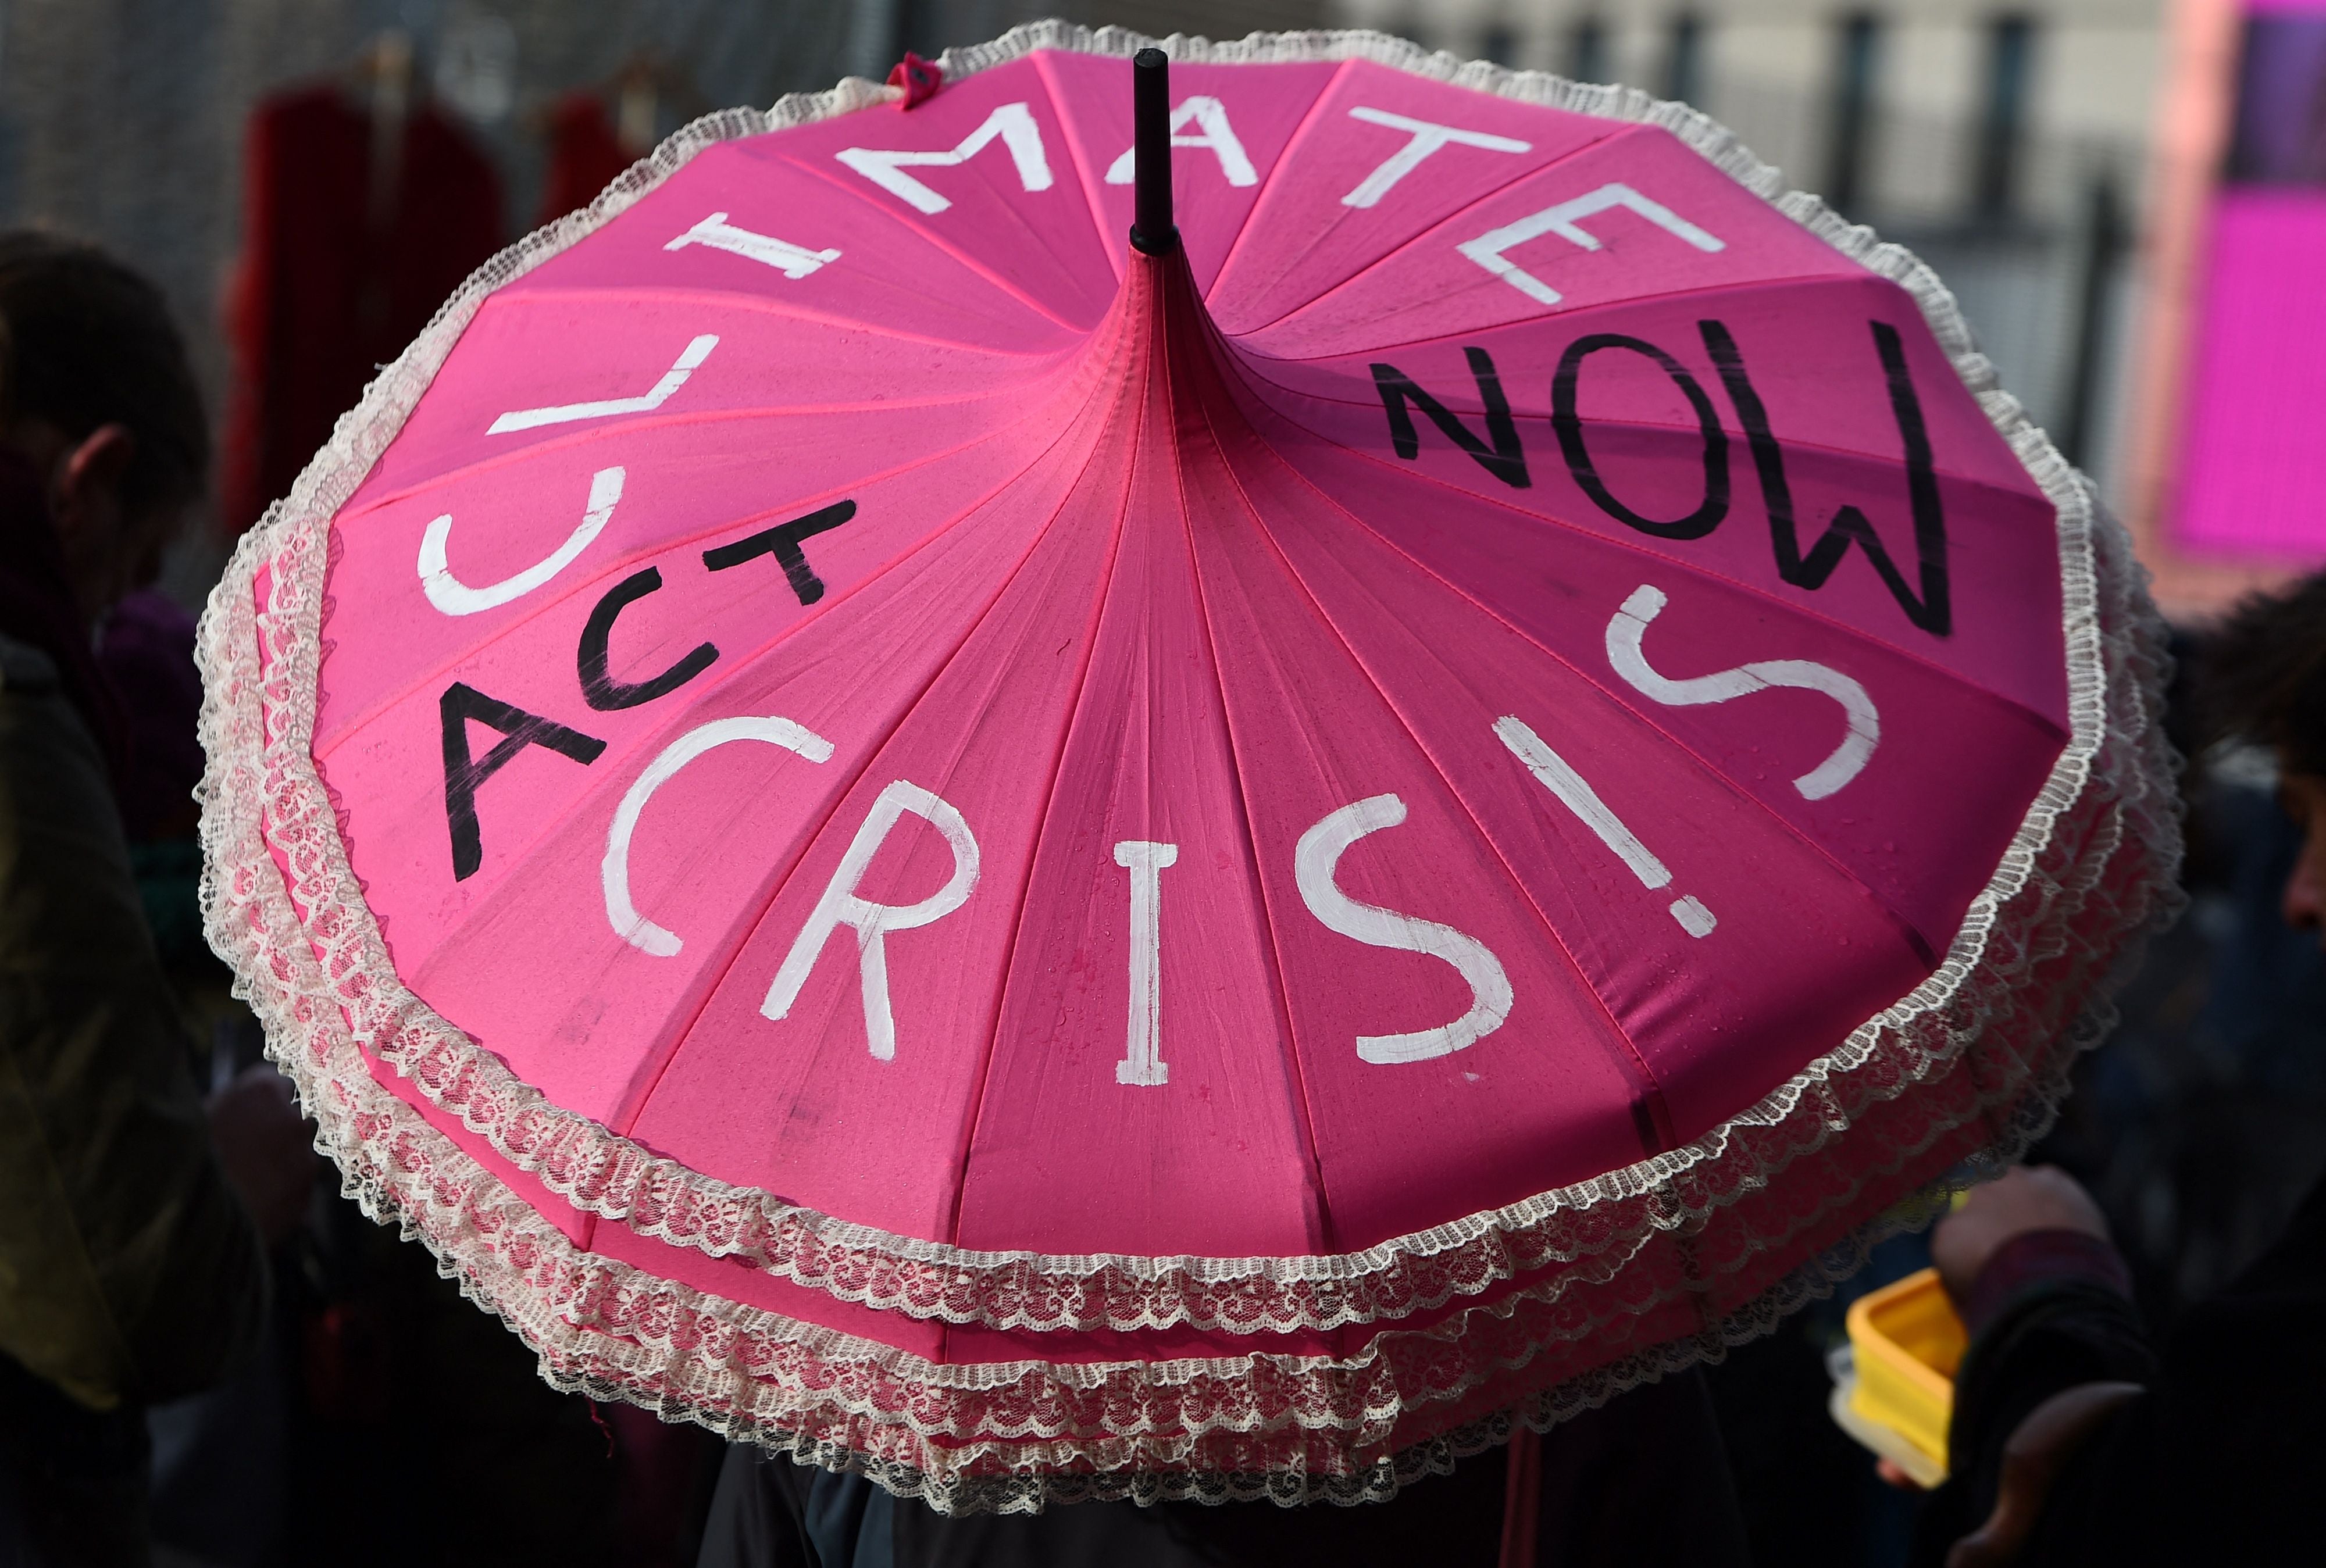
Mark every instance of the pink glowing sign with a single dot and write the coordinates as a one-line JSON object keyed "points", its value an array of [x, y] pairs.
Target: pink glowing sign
{"points": [[2252, 466]]}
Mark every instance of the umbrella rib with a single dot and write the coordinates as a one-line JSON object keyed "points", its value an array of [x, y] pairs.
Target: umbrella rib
{"points": [[1645, 1074], [960, 257], [1922, 946], [1301, 134], [1041, 826], [768, 305], [579, 439], [873, 753], [1093, 201], [1434, 229], [1327, 1240]]}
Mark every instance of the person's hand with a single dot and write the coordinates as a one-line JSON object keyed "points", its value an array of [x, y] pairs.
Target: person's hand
{"points": [[2022, 1199], [267, 1148]]}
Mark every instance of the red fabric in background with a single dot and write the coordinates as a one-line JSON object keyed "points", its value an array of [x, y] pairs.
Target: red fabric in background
{"points": [[323, 296], [585, 155]]}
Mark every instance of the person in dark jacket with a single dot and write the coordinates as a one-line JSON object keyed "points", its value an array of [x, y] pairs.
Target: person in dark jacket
{"points": [[133, 1216], [2077, 1437]]}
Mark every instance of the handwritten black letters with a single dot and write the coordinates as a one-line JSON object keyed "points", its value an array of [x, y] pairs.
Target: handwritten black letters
{"points": [[1925, 601], [465, 774]]}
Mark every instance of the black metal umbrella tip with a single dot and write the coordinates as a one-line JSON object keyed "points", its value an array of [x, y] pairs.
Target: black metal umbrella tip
{"points": [[1152, 231]]}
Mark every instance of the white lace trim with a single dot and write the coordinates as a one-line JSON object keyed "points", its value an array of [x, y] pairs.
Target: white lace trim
{"points": [[1984, 1042]]}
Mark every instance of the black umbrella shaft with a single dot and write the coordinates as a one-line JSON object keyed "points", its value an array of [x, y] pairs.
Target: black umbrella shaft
{"points": [[1151, 229]]}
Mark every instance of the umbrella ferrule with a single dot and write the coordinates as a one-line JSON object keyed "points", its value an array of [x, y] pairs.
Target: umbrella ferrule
{"points": [[1152, 231]]}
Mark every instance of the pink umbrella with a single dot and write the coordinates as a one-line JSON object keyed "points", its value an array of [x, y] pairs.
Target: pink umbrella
{"points": [[1046, 862]]}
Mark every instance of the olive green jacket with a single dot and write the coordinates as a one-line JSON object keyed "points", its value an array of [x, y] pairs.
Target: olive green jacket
{"points": [[129, 1270]]}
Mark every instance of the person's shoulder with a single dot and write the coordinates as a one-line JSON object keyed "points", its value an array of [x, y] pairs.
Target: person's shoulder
{"points": [[37, 717], [48, 760], [25, 670]]}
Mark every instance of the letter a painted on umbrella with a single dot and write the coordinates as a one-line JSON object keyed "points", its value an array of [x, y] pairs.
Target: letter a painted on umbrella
{"points": [[1213, 132]]}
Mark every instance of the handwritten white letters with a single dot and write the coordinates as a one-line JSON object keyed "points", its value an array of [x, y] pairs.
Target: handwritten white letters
{"points": [[614, 872], [1142, 1062], [1427, 137], [1575, 793], [692, 355], [794, 261], [1213, 131], [1012, 124], [1847, 759], [841, 905], [1314, 861], [1566, 220], [454, 598]]}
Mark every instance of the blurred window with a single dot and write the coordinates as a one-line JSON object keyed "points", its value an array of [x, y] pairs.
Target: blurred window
{"points": [[2003, 120], [1684, 58], [476, 67], [1499, 43], [1587, 50], [1856, 63]]}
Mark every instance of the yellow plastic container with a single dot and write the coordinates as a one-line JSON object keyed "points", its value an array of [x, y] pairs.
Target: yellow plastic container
{"points": [[1907, 1342]]}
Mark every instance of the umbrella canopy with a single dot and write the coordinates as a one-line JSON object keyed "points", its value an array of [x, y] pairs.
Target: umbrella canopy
{"points": [[1046, 866]]}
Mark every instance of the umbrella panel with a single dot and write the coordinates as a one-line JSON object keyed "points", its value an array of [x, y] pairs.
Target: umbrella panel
{"points": [[1376, 166]]}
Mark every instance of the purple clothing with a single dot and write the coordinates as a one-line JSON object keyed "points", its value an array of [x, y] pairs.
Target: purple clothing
{"points": [[147, 655]]}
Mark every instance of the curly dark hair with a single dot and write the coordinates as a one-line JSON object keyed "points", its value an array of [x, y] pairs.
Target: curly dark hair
{"points": [[2263, 674], [86, 342]]}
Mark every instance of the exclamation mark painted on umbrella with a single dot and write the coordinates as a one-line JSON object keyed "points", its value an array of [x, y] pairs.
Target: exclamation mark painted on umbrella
{"points": [[1579, 797]]}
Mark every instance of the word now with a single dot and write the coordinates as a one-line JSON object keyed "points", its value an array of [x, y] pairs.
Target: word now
{"points": [[1927, 601]]}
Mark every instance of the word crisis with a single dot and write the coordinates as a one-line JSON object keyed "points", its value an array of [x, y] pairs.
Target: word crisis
{"points": [[842, 902]]}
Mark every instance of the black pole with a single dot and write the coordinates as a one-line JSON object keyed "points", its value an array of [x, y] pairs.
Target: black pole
{"points": [[1151, 229], [2103, 240]]}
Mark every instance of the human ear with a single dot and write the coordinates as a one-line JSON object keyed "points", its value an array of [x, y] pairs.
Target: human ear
{"points": [[87, 481], [90, 522]]}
